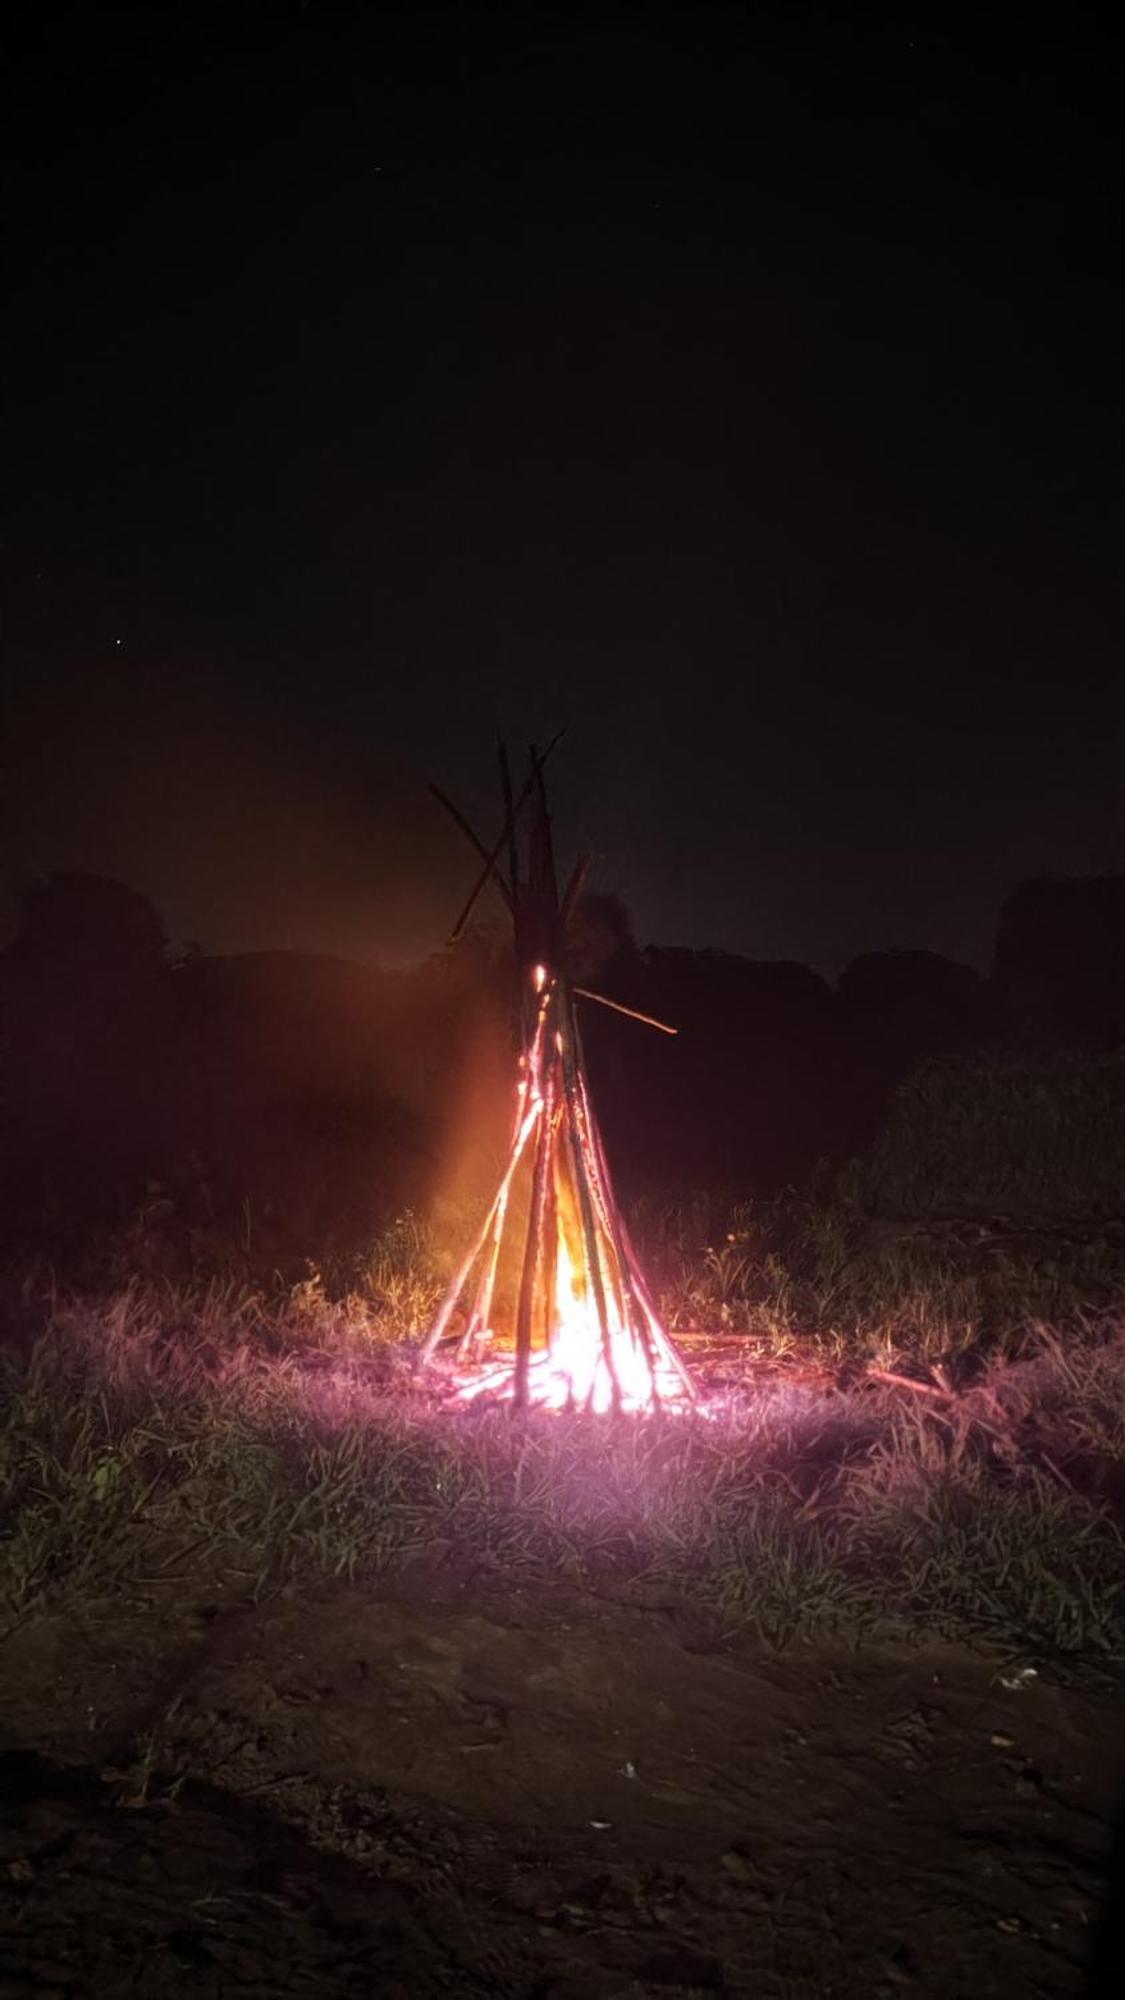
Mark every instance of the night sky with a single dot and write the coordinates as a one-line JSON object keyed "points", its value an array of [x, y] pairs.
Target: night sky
{"points": [[736, 388]]}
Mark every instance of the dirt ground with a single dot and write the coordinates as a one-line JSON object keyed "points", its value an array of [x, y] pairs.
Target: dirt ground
{"points": [[449, 1788]]}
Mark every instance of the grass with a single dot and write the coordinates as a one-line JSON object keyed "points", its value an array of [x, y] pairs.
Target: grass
{"points": [[990, 1199], [1007, 1133], [155, 1438]]}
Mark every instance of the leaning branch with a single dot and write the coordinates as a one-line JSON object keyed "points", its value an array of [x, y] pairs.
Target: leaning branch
{"points": [[491, 865], [490, 860], [632, 1013]]}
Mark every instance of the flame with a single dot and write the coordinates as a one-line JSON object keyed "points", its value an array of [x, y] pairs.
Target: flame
{"points": [[592, 1337], [576, 1370]]}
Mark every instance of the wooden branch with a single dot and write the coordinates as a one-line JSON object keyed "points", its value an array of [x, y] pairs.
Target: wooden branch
{"points": [[460, 1276], [545, 856], [576, 885], [654, 1339], [486, 873], [908, 1382], [632, 1013], [509, 821], [481, 1313], [532, 1257], [571, 1087], [490, 865], [551, 1231]]}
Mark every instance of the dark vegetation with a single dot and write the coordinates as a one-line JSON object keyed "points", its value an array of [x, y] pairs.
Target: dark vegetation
{"points": [[283, 1109]]}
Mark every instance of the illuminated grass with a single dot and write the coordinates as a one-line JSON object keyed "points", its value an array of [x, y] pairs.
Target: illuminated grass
{"points": [[155, 1441]]}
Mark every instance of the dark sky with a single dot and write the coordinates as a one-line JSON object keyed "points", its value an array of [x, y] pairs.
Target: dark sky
{"points": [[738, 388]]}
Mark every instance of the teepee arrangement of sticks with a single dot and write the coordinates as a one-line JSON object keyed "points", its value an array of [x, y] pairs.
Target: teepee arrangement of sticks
{"points": [[551, 1275]]}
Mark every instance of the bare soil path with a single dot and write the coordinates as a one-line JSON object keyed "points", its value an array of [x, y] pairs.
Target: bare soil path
{"points": [[462, 1790]]}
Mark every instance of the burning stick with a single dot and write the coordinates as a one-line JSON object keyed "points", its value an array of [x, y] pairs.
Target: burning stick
{"points": [[585, 1332]]}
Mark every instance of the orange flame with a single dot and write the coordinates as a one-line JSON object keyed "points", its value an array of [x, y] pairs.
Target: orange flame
{"points": [[598, 1341]]}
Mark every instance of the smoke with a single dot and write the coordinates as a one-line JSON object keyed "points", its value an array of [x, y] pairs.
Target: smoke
{"points": [[598, 931], [247, 830]]}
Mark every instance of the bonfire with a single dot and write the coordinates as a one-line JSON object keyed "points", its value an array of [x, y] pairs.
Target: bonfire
{"points": [[549, 1305]]}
